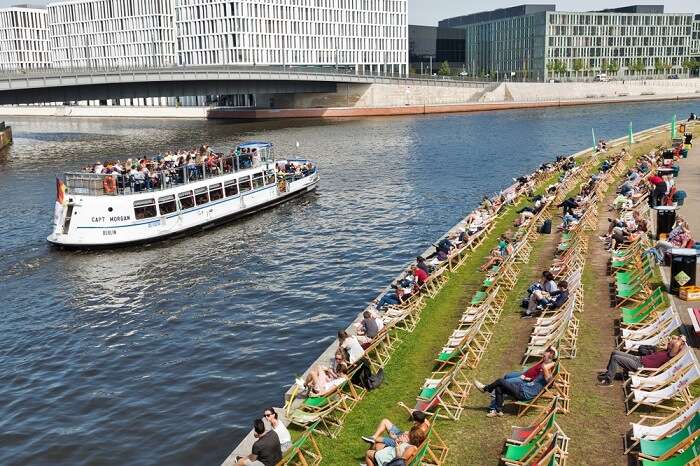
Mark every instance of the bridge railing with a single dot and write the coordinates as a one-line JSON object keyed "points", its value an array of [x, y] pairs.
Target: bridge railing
{"points": [[272, 71]]}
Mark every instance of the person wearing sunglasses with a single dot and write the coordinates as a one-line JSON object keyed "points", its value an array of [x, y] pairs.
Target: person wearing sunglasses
{"points": [[285, 439]]}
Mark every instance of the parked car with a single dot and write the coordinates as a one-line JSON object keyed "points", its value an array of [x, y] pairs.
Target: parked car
{"points": [[601, 78], [672, 76]]}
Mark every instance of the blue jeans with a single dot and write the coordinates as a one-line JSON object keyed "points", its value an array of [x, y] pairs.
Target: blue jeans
{"points": [[390, 442], [510, 384], [387, 299]]}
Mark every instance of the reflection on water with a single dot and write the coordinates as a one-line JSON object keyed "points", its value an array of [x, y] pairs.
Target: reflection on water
{"points": [[164, 354]]}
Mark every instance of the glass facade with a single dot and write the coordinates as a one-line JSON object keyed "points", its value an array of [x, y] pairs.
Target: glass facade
{"points": [[434, 45], [535, 42]]}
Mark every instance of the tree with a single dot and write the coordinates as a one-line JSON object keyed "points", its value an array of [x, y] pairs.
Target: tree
{"points": [[561, 67], [637, 66], [613, 67], [691, 65], [444, 69], [577, 66], [659, 65]]}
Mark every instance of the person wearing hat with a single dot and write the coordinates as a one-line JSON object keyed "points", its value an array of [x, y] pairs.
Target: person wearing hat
{"points": [[521, 386]]}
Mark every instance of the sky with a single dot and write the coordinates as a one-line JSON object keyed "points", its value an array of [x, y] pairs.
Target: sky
{"points": [[429, 12]]}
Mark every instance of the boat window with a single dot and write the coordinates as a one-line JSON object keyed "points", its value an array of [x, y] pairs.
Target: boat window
{"points": [[186, 200], [270, 177], [244, 184], [201, 195], [215, 192], [231, 188], [166, 204], [145, 208], [258, 181]]}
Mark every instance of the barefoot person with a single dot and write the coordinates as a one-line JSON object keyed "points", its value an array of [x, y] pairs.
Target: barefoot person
{"points": [[394, 433], [521, 386]]}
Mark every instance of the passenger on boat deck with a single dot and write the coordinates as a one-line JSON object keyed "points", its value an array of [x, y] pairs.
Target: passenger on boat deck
{"points": [[406, 448], [350, 344], [323, 380], [649, 357], [387, 433], [367, 328], [266, 449], [280, 429], [540, 300], [520, 385]]}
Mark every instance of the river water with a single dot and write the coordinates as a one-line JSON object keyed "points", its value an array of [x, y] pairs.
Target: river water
{"points": [[164, 354]]}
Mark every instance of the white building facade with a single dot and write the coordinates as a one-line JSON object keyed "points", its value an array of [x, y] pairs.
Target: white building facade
{"points": [[24, 40], [369, 36], [112, 33]]}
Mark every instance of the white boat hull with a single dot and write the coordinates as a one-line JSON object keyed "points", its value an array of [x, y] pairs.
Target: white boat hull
{"points": [[109, 221]]}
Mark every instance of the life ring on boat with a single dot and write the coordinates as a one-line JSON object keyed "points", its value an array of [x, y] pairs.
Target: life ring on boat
{"points": [[109, 184]]}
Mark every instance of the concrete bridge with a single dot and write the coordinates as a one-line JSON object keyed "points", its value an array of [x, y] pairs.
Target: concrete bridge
{"points": [[60, 85]]}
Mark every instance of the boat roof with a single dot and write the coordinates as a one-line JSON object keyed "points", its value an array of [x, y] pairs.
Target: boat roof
{"points": [[255, 144]]}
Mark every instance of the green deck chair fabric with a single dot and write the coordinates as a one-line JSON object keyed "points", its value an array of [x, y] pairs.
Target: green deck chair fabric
{"points": [[634, 315], [518, 452], [659, 447], [479, 297], [681, 459]]}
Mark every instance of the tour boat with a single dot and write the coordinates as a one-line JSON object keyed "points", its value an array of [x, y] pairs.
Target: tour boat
{"points": [[98, 210]]}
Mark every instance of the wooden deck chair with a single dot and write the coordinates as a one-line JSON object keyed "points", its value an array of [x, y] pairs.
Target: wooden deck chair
{"points": [[636, 315], [379, 350], [457, 346], [447, 390], [666, 447], [651, 327], [678, 390], [557, 387], [433, 451], [662, 379], [304, 451], [328, 417], [664, 331], [548, 446], [690, 456], [436, 281], [660, 427], [525, 435]]}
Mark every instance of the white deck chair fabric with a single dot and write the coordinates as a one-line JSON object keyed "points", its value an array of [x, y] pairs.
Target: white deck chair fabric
{"points": [[640, 431]]}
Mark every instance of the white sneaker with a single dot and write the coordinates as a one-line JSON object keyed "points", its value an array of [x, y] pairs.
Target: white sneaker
{"points": [[494, 413], [479, 386]]}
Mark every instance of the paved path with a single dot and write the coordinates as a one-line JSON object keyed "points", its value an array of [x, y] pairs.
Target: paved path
{"points": [[689, 181]]}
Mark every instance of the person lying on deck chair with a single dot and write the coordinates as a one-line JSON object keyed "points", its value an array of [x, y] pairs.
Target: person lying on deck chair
{"points": [[266, 449], [630, 362], [521, 386], [541, 300], [405, 448], [495, 258], [323, 380], [387, 433]]}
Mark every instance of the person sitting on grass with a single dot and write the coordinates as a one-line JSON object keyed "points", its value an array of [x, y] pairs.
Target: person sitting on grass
{"points": [[630, 363], [405, 448], [387, 434], [521, 386], [266, 449]]}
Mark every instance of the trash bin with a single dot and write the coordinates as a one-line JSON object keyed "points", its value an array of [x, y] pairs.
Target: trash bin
{"points": [[676, 169], [665, 218], [684, 153], [683, 262]]}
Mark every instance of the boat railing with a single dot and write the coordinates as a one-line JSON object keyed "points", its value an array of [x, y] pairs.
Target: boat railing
{"points": [[115, 184]]}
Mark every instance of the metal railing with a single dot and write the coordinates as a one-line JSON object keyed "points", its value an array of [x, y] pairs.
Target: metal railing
{"points": [[99, 184], [271, 72]]}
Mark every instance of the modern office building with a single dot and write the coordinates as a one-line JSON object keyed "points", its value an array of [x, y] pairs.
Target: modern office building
{"points": [[429, 46], [24, 40], [536, 42], [695, 44], [111, 33], [370, 36]]}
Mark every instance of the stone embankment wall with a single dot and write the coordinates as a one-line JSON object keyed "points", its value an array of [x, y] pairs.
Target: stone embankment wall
{"points": [[401, 99]]}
